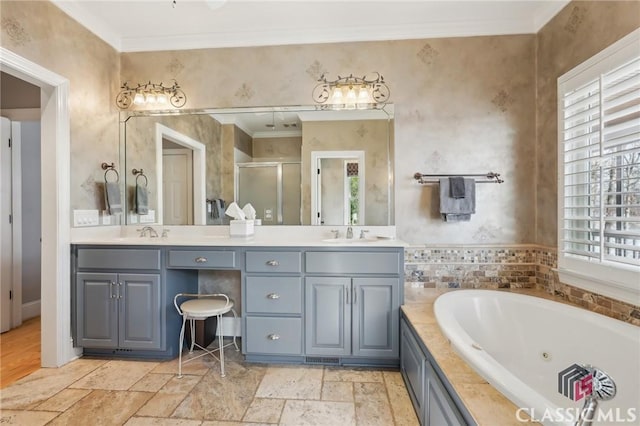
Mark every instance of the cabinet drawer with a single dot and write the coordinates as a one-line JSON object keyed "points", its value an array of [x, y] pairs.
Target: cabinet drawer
{"points": [[274, 335], [118, 258], [273, 261], [201, 259], [282, 295], [352, 262]]}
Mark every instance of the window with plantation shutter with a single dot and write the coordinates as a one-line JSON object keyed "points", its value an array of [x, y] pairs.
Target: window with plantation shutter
{"points": [[599, 172]]}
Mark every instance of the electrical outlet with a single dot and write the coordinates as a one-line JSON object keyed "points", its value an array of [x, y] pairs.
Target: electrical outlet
{"points": [[106, 218], [150, 217], [268, 214]]}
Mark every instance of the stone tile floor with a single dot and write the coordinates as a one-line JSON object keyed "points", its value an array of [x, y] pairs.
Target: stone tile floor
{"points": [[135, 393]]}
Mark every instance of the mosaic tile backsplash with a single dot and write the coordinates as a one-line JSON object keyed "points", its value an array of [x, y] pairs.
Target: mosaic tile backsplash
{"points": [[522, 266]]}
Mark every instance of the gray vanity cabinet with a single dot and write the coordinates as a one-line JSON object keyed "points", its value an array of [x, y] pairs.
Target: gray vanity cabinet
{"points": [[118, 310], [352, 301], [351, 316], [272, 304], [435, 405]]}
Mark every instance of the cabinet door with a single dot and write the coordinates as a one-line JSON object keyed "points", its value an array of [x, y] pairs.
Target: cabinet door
{"points": [[439, 408], [140, 314], [97, 310], [412, 362], [375, 317], [328, 316]]}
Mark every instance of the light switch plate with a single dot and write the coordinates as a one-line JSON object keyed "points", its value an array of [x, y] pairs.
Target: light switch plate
{"points": [[86, 218]]}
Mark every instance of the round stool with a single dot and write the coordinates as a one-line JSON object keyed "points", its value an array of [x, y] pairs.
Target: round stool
{"points": [[201, 307]]}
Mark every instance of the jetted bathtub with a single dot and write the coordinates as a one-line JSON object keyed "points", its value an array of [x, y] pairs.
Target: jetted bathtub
{"points": [[520, 344]]}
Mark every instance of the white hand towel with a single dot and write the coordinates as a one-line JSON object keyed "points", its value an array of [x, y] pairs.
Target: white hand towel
{"points": [[234, 211], [249, 211]]}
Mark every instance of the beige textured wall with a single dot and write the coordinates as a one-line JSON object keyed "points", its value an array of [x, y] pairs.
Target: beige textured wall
{"points": [[271, 149], [462, 105], [40, 32], [578, 32]]}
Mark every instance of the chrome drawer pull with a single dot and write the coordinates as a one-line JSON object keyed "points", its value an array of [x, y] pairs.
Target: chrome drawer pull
{"points": [[201, 259], [273, 337], [273, 263], [273, 296]]}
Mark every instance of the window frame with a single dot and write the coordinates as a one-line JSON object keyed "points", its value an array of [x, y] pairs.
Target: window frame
{"points": [[610, 278]]}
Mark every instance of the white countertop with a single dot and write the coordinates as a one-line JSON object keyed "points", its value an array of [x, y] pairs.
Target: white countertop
{"points": [[218, 236]]}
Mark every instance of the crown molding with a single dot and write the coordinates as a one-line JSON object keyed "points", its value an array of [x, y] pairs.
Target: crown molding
{"points": [[318, 35]]}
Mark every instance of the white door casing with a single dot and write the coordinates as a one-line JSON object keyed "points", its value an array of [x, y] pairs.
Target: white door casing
{"points": [[56, 344], [6, 228], [199, 172], [316, 157]]}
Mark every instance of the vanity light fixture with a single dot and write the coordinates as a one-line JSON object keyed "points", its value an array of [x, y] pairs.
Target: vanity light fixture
{"points": [[367, 92], [151, 94]]}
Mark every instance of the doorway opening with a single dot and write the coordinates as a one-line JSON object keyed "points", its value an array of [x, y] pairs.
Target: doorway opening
{"points": [[337, 187], [56, 345]]}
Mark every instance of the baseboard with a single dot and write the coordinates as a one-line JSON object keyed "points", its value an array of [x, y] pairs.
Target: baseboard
{"points": [[30, 310], [230, 327]]}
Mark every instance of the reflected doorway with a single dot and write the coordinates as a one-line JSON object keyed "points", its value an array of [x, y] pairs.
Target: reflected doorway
{"points": [[337, 187]]}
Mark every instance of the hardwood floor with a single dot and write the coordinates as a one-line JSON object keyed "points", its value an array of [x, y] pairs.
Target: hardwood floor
{"points": [[19, 351]]}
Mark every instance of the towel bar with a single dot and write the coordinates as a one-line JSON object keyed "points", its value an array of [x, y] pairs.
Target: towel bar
{"points": [[490, 177]]}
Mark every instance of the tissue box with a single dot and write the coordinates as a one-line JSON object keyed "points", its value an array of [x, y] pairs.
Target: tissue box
{"points": [[241, 228]]}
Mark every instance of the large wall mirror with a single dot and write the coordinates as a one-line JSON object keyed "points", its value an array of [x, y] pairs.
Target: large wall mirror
{"points": [[295, 165]]}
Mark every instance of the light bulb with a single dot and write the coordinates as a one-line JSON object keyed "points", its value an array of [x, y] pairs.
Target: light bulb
{"points": [[151, 98], [138, 99], [364, 96], [351, 96], [336, 95]]}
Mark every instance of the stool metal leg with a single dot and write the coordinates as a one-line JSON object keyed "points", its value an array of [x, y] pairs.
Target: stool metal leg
{"points": [[235, 317], [193, 334], [184, 320], [221, 346]]}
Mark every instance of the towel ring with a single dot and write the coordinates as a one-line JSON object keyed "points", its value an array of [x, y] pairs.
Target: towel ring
{"points": [[139, 175], [114, 171]]}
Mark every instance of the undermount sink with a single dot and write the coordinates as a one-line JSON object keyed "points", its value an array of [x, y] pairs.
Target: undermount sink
{"points": [[350, 240]]}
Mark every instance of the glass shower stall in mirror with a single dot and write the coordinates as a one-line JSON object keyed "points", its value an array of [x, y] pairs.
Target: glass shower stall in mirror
{"points": [[295, 165]]}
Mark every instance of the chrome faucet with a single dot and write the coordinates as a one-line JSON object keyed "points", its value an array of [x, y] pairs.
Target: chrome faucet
{"points": [[349, 233], [362, 234], [336, 233], [152, 232]]}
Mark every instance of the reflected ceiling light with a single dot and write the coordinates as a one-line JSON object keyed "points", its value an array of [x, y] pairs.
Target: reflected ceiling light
{"points": [[368, 92], [150, 94]]}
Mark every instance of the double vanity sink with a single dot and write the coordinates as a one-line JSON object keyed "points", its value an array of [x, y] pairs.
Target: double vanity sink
{"points": [[339, 298]]}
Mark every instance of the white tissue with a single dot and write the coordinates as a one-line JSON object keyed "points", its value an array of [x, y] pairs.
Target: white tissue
{"points": [[234, 211], [249, 211]]}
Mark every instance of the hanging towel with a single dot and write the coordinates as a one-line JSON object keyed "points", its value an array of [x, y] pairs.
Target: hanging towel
{"points": [[457, 209], [456, 186], [142, 200], [112, 197]]}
